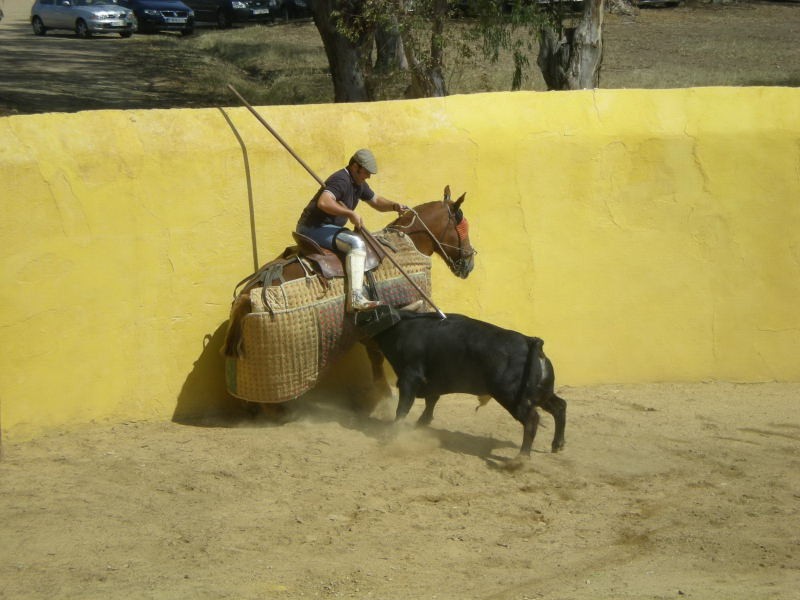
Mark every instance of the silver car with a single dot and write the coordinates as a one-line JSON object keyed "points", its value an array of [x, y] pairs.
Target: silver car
{"points": [[84, 17]]}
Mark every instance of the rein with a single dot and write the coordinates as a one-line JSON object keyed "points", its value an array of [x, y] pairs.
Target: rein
{"points": [[461, 227]]}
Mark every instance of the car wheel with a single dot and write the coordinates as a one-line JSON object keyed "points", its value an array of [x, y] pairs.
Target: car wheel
{"points": [[38, 26], [82, 29], [187, 31], [125, 34], [223, 20]]}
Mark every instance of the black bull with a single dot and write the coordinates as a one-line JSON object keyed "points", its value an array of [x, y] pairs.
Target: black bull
{"points": [[433, 356]]}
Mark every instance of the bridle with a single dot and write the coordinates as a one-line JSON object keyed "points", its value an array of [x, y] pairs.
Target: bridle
{"points": [[461, 265]]}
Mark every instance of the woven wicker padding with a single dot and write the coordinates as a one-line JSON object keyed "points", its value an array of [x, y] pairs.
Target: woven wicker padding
{"points": [[300, 328]]}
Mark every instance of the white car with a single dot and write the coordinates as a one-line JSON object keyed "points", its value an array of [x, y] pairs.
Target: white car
{"points": [[84, 17]]}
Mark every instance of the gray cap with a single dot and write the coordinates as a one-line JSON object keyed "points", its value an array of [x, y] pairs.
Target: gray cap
{"points": [[366, 159]]}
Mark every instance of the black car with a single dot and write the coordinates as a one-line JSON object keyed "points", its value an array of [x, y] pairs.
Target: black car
{"points": [[294, 9], [161, 15], [227, 12]]}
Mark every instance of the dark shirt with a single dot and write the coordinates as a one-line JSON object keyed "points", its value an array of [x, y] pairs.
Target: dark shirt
{"points": [[345, 190]]}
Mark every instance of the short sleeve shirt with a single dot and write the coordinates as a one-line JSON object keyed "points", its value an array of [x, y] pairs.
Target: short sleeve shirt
{"points": [[345, 190]]}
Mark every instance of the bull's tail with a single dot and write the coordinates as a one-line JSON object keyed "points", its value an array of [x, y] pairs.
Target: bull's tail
{"points": [[482, 401], [536, 371]]}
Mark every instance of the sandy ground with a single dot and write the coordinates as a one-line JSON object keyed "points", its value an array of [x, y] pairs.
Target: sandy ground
{"points": [[663, 491]]}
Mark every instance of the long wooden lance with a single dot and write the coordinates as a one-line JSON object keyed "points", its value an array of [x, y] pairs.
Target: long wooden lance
{"points": [[367, 235]]}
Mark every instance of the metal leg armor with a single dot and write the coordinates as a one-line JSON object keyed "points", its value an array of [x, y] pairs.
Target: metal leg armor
{"points": [[354, 265]]}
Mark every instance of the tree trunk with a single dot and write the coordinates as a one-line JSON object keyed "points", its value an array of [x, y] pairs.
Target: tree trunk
{"points": [[427, 77], [570, 58], [555, 48], [389, 53], [587, 48], [347, 57]]}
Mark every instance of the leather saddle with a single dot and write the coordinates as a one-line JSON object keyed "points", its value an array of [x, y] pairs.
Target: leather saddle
{"points": [[326, 262]]}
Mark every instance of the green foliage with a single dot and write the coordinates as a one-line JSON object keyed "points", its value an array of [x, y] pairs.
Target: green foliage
{"points": [[492, 26], [504, 27]]}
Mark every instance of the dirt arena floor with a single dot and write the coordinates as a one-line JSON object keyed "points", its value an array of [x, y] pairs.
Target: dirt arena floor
{"points": [[663, 491]]}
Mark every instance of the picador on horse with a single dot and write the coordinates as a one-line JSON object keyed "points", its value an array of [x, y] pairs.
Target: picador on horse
{"points": [[298, 314], [326, 215]]}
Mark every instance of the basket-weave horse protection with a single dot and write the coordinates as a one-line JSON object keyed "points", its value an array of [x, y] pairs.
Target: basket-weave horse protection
{"points": [[299, 328]]}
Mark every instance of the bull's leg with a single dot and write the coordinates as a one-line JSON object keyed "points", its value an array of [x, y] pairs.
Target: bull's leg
{"points": [[427, 415], [529, 427], [558, 408]]}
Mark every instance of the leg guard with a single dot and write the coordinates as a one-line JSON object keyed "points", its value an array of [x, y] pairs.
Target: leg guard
{"points": [[354, 264]]}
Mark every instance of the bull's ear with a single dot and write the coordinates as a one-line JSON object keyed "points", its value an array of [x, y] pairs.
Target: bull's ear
{"points": [[460, 200], [446, 194]]}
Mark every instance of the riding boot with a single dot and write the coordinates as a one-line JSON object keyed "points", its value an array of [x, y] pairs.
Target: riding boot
{"points": [[354, 264]]}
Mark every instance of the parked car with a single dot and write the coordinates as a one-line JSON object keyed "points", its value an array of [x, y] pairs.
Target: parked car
{"points": [[294, 9], [84, 17], [161, 15], [227, 12], [657, 2]]}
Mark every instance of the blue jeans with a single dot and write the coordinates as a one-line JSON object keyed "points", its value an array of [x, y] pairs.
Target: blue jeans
{"points": [[323, 235]]}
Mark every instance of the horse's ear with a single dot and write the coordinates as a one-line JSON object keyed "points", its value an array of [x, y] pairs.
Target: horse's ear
{"points": [[446, 194], [460, 200]]}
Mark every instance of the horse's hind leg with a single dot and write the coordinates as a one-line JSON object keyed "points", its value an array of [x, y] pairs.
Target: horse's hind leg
{"points": [[380, 386]]}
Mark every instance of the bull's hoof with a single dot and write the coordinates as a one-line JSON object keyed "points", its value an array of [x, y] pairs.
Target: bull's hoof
{"points": [[557, 447], [519, 462]]}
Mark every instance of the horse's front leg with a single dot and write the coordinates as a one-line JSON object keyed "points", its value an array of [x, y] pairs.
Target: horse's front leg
{"points": [[380, 386]]}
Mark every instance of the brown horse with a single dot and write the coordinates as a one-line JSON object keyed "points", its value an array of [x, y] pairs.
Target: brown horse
{"points": [[437, 227]]}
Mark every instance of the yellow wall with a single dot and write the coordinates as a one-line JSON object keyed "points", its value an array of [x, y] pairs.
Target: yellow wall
{"points": [[645, 235]]}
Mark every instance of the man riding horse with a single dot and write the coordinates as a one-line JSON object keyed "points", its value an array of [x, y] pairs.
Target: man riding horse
{"points": [[324, 219]]}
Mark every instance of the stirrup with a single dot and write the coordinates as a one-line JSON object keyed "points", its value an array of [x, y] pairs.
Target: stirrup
{"points": [[357, 302]]}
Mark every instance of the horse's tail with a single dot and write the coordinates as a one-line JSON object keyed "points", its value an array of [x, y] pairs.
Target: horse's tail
{"points": [[233, 345]]}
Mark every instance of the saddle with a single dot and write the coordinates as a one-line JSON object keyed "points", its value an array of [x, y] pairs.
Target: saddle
{"points": [[326, 262], [313, 257]]}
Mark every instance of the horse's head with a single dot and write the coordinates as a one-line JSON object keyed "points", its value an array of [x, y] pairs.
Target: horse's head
{"points": [[441, 227]]}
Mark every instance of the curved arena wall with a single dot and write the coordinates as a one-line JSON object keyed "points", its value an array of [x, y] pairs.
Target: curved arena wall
{"points": [[645, 235]]}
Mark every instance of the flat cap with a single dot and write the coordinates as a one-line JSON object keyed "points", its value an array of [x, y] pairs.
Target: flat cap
{"points": [[366, 159]]}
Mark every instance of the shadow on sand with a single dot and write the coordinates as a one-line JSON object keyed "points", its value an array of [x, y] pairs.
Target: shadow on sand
{"points": [[205, 402]]}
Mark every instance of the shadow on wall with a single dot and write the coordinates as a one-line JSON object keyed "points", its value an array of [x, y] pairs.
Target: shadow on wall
{"points": [[204, 397]]}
